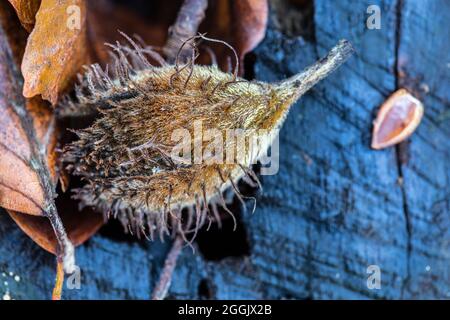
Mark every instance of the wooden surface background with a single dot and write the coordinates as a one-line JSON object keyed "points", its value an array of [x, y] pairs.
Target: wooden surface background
{"points": [[334, 208]]}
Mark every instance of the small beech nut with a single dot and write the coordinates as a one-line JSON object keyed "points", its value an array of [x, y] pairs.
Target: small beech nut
{"points": [[397, 119]]}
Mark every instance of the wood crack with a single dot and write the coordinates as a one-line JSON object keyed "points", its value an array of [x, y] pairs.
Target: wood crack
{"points": [[400, 151]]}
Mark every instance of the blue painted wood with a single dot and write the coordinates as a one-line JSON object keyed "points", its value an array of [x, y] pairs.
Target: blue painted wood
{"points": [[336, 206], [424, 60]]}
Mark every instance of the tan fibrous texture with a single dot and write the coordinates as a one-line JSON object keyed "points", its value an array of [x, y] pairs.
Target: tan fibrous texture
{"points": [[125, 156]]}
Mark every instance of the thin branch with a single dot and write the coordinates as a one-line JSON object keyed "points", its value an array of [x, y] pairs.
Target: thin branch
{"points": [[59, 281], [65, 250], [186, 25], [47, 137], [162, 287]]}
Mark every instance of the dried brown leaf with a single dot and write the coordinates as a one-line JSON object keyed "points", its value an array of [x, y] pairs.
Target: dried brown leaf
{"points": [[20, 185], [240, 23], [105, 18], [250, 21], [80, 226], [26, 11], [56, 48], [27, 137], [14, 34]]}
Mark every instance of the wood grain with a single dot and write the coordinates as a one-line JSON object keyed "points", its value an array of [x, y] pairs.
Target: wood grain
{"points": [[336, 206]]}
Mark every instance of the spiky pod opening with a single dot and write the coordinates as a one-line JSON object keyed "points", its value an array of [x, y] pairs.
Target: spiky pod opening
{"points": [[125, 155]]}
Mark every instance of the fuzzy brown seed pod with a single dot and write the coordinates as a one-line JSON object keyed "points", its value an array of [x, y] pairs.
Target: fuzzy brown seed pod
{"points": [[126, 155]]}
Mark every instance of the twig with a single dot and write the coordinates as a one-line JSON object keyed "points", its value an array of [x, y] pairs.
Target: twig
{"points": [[186, 26], [59, 281], [162, 287], [65, 251]]}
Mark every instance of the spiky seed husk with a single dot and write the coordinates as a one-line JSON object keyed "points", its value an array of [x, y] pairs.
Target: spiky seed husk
{"points": [[125, 155]]}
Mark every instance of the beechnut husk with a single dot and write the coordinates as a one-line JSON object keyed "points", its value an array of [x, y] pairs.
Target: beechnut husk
{"points": [[126, 156]]}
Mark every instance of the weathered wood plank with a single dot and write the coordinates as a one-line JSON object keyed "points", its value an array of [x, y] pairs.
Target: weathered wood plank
{"points": [[336, 206]]}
